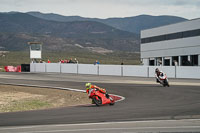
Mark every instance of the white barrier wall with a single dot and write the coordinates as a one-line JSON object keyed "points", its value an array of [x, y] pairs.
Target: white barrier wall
{"points": [[118, 70], [139, 71], [188, 72], [40, 67], [88, 69], [53, 67], [32, 67], [110, 70], [69, 68]]}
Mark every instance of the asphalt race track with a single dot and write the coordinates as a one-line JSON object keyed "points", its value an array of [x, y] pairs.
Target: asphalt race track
{"points": [[144, 100]]}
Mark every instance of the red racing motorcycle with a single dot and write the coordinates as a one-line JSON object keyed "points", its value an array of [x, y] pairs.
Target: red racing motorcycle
{"points": [[99, 98]]}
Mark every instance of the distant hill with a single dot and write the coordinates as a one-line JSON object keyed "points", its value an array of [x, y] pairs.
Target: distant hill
{"points": [[131, 24], [67, 33], [18, 28], [57, 17]]}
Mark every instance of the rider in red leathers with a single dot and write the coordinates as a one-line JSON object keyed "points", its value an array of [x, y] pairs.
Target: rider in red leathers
{"points": [[90, 86]]}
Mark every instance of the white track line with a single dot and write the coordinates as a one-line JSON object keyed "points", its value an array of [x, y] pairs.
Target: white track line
{"points": [[102, 123], [111, 129]]}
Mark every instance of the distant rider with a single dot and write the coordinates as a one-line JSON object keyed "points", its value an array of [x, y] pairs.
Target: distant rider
{"points": [[158, 74], [89, 86]]}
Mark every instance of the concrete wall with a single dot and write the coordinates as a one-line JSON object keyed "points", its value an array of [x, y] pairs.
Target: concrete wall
{"points": [[117, 70], [139, 71], [69, 68], [177, 47], [188, 72], [110, 70], [40, 67], [32, 67], [53, 67], [88, 69]]}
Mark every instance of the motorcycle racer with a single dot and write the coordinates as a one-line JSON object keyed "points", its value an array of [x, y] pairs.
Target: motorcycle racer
{"points": [[161, 77], [158, 74], [89, 86]]}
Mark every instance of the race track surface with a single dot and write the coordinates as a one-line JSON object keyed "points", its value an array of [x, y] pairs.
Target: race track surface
{"points": [[142, 101]]}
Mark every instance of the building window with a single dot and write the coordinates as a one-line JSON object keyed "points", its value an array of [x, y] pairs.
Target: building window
{"points": [[151, 63], [174, 36], [185, 61], [35, 47], [159, 61], [191, 33], [166, 62], [194, 60], [175, 61], [178, 35]]}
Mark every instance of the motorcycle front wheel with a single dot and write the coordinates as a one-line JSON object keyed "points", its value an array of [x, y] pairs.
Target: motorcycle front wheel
{"points": [[112, 103], [165, 83]]}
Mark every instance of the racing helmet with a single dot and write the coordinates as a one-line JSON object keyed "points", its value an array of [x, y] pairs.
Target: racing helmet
{"points": [[157, 70], [87, 85]]}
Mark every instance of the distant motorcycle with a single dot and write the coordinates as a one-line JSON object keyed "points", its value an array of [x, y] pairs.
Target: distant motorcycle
{"points": [[99, 98], [163, 80]]}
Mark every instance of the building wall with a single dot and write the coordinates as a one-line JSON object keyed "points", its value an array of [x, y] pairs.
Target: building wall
{"points": [[184, 46], [172, 28]]}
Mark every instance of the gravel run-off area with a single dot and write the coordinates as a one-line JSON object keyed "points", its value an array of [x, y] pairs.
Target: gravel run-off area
{"points": [[20, 98]]}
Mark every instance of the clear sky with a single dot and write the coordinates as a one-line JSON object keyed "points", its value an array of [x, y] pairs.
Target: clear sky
{"points": [[189, 9]]}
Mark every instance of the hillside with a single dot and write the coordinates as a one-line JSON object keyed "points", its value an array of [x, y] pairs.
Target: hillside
{"points": [[131, 24], [75, 33], [16, 29]]}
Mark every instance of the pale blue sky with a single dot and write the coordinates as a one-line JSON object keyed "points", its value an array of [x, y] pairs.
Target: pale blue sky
{"points": [[189, 9]]}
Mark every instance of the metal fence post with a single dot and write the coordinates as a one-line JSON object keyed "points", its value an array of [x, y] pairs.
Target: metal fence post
{"points": [[98, 69], [45, 67], [60, 67], [77, 68], [122, 72], [34, 67], [175, 71]]}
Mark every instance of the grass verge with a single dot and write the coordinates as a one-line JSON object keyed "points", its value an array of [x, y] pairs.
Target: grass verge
{"points": [[25, 105]]}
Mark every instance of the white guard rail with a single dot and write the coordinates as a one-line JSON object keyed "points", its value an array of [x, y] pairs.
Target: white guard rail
{"points": [[117, 70]]}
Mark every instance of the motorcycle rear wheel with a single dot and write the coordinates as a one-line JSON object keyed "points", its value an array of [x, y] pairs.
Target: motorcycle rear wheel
{"points": [[98, 101]]}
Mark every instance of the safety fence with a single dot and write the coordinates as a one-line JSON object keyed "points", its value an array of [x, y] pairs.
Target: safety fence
{"points": [[117, 70]]}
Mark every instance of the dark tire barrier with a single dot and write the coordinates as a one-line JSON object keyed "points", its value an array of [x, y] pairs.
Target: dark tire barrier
{"points": [[25, 67]]}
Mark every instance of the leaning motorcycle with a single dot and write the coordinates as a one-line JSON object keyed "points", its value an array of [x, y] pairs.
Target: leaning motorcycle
{"points": [[99, 98], [163, 80]]}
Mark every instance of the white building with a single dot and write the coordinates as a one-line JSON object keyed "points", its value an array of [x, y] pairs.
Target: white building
{"points": [[35, 50], [175, 44]]}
